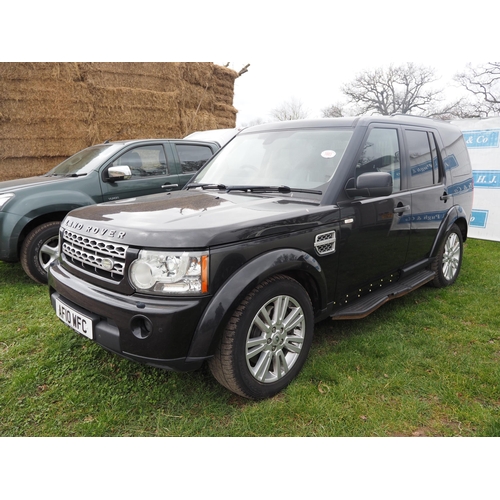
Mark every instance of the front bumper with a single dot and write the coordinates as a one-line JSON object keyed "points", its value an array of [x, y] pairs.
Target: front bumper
{"points": [[171, 321]]}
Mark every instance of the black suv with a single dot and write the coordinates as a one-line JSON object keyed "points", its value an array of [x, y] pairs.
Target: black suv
{"points": [[289, 224]]}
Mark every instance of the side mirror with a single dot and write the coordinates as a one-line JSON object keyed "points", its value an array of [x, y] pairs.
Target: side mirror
{"points": [[370, 185], [120, 173]]}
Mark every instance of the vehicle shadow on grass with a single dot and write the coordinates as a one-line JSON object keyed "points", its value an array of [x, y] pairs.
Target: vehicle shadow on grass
{"points": [[12, 274]]}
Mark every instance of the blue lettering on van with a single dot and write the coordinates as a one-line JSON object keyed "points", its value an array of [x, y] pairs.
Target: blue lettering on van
{"points": [[481, 139], [421, 168], [489, 179], [422, 218], [450, 162], [461, 187], [479, 218]]}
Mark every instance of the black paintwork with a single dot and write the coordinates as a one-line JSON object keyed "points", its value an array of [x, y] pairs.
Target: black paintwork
{"points": [[383, 242]]}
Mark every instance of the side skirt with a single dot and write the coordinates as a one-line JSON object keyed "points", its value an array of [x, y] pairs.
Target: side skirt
{"points": [[369, 303]]}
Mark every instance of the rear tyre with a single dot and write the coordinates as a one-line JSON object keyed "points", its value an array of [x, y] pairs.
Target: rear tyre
{"points": [[266, 342], [449, 259], [39, 250]]}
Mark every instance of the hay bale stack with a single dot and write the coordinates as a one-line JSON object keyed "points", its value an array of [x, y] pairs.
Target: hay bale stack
{"points": [[49, 111]]}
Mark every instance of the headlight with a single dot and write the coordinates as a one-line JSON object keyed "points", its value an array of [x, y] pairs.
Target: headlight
{"points": [[172, 273], [4, 198]]}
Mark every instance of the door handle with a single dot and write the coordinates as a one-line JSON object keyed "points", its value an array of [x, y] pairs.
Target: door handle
{"points": [[444, 197], [169, 186], [400, 209]]}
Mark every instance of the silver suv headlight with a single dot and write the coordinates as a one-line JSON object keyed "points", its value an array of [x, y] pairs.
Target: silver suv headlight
{"points": [[170, 273], [4, 198]]}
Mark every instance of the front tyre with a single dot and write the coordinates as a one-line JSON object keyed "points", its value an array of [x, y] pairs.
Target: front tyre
{"points": [[449, 259], [39, 250], [266, 342]]}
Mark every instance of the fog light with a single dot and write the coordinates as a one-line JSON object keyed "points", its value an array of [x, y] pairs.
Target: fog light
{"points": [[141, 327]]}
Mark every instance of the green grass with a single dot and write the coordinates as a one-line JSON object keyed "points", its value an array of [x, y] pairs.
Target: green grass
{"points": [[427, 364]]}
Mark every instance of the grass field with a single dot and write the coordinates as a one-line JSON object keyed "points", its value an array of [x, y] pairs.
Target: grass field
{"points": [[427, 364]]}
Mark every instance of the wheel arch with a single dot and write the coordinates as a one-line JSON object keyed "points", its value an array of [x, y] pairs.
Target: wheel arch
{"points": [[47, 206], [455, 215], [294, 263], [38, 221]]}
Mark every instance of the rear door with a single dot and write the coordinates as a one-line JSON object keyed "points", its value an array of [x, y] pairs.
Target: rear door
{"points": [[429, 197], [152, 167]]}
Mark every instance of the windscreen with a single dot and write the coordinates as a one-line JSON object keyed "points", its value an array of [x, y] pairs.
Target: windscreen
{"points": [[84, 161], [303, 158]]}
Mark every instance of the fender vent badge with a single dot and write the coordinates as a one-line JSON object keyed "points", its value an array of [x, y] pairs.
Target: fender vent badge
{"points": [[324, 243]]}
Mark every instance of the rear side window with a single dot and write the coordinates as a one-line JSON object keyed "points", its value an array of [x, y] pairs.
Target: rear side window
{"points": [[425, 166], [192, 157]]}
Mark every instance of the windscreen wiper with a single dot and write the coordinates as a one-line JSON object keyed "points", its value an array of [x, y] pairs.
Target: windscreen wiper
{"points": [[255, 189], [272, 189], [221, 187]]}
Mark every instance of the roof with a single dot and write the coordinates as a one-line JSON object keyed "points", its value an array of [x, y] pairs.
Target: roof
{"points": [[221, 136]]}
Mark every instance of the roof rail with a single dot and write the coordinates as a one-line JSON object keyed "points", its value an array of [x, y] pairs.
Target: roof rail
{"points": [[412, 116]]}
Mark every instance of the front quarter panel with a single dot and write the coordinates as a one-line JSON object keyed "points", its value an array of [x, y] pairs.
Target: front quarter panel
{"points": [[234, 290], [62, 194], [39, 204]]}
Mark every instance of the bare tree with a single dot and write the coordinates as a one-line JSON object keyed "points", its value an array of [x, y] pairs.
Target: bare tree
{"points": [[289, 110], [483, 81], [397, 89], [255, 121], [334, 111], [463, 108]]}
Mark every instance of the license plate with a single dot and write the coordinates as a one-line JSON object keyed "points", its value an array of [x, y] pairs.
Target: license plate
{"points": [[74, 319]]}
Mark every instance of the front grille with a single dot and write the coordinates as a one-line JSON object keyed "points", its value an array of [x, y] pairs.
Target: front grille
{"points": [[96, 256], [325, 243]]}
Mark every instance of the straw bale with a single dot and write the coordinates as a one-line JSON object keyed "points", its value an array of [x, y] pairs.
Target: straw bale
{"points": [[161, 77], [196, 73], [21, 148], [43, 129], [49, 111], [118, 131], [123, 98], [44, 100], [18, 168], [39, 71], [34, 111]]}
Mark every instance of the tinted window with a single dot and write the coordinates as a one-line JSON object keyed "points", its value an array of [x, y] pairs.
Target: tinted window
{"points": [[424, 162], [381, 154], [144, 161], [193, 157]]}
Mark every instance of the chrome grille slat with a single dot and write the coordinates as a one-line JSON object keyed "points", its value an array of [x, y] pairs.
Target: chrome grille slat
{"points": [[97, 254]]}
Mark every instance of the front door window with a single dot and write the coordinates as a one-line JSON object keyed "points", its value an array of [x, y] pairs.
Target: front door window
{"points": [[145, 161]]}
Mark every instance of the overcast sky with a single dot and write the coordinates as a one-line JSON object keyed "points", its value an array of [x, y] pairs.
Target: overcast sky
{"points": [[268, 84], [304, 51]]}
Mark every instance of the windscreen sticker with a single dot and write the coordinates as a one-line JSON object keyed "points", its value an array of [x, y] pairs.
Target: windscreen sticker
{"points": [[328, 153]]}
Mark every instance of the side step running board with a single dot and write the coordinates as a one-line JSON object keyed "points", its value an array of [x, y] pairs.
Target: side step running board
{"points": [[369, 303]]}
